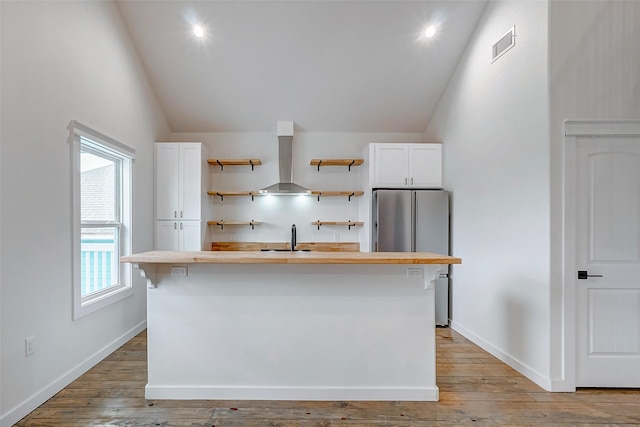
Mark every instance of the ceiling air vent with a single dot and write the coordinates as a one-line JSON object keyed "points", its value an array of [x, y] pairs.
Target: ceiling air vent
{"points": [[504, 44]]}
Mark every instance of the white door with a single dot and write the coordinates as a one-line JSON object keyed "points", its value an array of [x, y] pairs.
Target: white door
{"points": [[391, 165], [608, 245], [190, 181], [425, 165], [167, 186], [167, 236], [190, 236]]}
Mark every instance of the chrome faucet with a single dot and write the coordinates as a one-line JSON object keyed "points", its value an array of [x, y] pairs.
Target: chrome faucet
{"points": [[293, 237]]}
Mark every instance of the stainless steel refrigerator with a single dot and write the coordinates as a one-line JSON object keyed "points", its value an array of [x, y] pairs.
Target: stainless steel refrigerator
{"points": [[414, 221]]}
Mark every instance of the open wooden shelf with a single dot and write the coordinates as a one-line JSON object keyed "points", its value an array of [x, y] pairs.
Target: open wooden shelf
{"points": [[221, 223], [222, 194], [234, 162], [347, 223], [336, 162], [349, 194]]}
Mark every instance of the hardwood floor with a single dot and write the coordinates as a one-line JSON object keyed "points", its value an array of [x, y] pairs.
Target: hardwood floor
{"points": [[475, 389]]}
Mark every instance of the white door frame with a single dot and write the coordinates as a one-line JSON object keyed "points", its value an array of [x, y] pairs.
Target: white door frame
{"points": [[573, 130]]}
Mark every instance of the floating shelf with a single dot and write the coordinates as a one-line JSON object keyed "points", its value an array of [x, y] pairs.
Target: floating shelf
{"points": [[348, 194], [347, 223], [222, 194], [234, 162], [336, 162], [221, 223]]}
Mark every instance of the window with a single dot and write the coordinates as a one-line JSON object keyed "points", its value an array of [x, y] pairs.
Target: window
{"points": [[102, 170]]}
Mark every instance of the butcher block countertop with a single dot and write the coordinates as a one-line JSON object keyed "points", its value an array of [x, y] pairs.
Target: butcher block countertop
{"points": [[312, 246], [286, 257]]}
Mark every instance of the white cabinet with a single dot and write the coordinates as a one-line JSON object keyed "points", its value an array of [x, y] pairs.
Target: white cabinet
{"points": [[178, 235], [406, 165], [425, 165], [178, 181], [181, 197]]}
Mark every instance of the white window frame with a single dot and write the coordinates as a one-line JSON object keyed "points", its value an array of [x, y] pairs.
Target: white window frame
{"points": [[126, 155]]}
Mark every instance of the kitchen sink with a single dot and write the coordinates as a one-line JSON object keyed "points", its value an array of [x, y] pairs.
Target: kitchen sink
{"points": [[285, 250]]}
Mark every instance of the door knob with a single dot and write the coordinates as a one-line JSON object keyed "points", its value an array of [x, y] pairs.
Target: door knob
{"points": [[584, 274]]}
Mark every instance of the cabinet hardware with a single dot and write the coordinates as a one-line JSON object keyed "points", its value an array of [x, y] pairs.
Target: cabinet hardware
{"points": [[221, 165], [175, 225], [175, 214], [180, 226]]}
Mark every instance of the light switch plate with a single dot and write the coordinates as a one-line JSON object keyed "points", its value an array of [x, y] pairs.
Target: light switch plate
{"points": [[414, 273], [179, 271]]}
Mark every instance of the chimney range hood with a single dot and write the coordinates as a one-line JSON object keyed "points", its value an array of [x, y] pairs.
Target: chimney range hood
{"points": [[286, 186]]}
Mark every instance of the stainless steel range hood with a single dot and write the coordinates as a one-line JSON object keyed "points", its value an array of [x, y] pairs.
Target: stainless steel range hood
{"points": [[286, 186]]}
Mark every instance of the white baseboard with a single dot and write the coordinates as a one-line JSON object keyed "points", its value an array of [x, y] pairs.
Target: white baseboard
{"points": [[423, 394], [525, 370], [23, 409], [562, 386]]}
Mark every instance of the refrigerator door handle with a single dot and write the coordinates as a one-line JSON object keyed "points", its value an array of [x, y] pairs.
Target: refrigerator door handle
{"points": [[376, 212]]}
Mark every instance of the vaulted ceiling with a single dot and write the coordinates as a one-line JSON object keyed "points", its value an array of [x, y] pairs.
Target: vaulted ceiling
{"points": [[330, 66]]}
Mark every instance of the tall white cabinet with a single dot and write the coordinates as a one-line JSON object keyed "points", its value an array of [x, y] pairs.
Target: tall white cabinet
{"points": [[182, 205]]}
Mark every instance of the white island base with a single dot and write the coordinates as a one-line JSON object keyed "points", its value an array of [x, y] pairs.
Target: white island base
{"points": [[270, 332], [292, 332]]}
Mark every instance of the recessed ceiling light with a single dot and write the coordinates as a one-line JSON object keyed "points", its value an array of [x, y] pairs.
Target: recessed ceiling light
{"points": [[198, 31], [430, 31]]}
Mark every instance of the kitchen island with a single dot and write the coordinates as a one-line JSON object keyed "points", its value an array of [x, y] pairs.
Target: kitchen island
{"points": [[291, 325]]}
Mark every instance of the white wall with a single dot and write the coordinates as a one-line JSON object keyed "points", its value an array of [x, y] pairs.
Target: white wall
{"points": [[493, 121], [594, 74], [1, 179], [63, 61], [279, 212]]}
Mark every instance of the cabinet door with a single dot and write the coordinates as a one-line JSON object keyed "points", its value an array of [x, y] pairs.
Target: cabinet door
{"points": [[167, 186], [391, 168], [167, 236], [425, 165], [190, 236], [190, 181]]}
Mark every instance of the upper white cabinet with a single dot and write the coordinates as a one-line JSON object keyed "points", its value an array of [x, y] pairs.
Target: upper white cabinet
{"points": [[179, 181], [406, 165], [182, 207], [425, 165]]}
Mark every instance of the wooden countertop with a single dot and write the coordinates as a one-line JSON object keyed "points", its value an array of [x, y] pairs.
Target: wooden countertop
{"points": [[257, 257]]}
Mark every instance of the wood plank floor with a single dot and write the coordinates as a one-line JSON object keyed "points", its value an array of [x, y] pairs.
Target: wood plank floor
{"points": [[475, 389]]}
